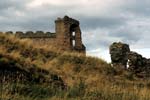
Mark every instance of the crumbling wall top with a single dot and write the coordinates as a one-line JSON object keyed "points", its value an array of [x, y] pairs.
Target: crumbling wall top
{"points": [[37, 34], [67, 19], [31, 34]]}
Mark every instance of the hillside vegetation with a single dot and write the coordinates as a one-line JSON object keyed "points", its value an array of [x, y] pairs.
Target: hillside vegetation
{"points": [[32, 72]]}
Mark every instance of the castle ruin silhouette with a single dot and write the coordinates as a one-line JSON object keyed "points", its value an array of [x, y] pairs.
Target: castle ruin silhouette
{"points": [[67, 36]]}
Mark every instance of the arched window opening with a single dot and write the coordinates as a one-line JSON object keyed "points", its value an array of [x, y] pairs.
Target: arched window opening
{"points": [[73, 43], [73, 33]]}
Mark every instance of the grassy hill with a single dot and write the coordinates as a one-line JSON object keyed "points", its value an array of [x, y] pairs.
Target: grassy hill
{"points": [[32, 72]]}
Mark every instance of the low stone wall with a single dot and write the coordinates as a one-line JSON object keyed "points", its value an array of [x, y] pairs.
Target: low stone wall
{"points": [[31, 34], [39, 38]]}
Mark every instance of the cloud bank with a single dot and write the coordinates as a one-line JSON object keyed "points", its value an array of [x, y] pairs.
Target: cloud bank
{"points": [[102, 21]]}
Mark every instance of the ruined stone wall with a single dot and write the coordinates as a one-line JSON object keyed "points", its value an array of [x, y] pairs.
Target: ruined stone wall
{"points": [[67, 31], [38, 34], [66, 38], [39, 38], [121, 56], [118, 52], [45, 42]]}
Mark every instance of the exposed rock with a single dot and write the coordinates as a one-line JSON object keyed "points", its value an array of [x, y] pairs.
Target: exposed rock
{"points": [[136, 62], [118, 52], [121, 56]]}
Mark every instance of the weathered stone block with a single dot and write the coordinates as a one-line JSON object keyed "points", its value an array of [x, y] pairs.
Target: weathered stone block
{"points": [[121, 56], [136, 61], [118, 52]]}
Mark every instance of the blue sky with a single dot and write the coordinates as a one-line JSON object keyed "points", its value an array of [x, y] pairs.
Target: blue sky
{"points": [[102, 21]]}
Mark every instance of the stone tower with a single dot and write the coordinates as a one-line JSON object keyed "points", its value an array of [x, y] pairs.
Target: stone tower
{"points": [[68, 35]]}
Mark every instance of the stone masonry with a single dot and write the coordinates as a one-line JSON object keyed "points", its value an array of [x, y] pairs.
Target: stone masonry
{"points": [[66, 38], [121, 56], [118, 53]]}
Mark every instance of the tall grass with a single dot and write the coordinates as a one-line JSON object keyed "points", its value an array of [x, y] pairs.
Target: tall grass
{"points": [[86, 78], [79, 91]]}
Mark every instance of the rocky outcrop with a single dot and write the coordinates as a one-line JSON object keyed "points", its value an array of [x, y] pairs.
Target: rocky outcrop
{"points": [[135, 61], [118, 52], [121, 57]]}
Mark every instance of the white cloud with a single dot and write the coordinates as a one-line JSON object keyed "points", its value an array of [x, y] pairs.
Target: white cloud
{"points": [[102, 21], [84, 3], [104, 54], [93, 8]]}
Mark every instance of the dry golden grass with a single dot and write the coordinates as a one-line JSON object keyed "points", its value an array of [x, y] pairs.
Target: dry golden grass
{"points": [[87, 78]]}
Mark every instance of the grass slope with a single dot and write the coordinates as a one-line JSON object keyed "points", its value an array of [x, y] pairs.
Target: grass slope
{"points": [[32, 72]]}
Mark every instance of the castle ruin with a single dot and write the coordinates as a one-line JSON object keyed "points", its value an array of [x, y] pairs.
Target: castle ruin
{"points": [[123, 58], [67, 36], [118, 52]]}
